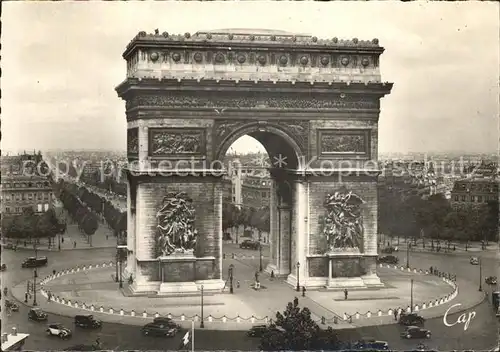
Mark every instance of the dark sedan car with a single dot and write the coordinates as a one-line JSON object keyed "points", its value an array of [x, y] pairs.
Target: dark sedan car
{"points": [[491, 280], [371, 345], [411, 319], [159, 329], [34, 262], [249, 244], [388, 259], [166, 321], [36, 314], [414, 332]]}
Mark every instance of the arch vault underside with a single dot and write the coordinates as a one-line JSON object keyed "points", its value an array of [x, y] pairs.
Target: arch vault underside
{"points": [[187, 101]]}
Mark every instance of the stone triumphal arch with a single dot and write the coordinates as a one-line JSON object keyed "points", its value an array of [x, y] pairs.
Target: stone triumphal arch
{"points": [[314, 105]]}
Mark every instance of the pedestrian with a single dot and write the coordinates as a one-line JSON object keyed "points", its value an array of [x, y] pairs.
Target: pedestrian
{"points": [[238, 284], [345, 294], [62, 239], [106, 237], [396, 314], [53, 272], [431, 269], [303, 291], [5, 291], [49, 296], [74, 244]]}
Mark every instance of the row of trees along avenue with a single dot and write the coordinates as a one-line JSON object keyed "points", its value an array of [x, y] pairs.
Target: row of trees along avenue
{"points": [[234, 217], [86, 207], [435, 219], [31, 227]]}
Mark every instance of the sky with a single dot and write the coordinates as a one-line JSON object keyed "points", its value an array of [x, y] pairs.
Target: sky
{"points": [[62, 60]]}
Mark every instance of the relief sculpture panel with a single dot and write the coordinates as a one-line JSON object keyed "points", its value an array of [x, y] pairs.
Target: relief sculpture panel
{"points": [[343, 222], [344, 143], [176, 142], [133, 141]]}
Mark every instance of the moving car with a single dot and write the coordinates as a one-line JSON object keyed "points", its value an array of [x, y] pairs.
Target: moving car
{"points": [[9, 246], [491, 280], [11, 305], [250, 244], [474, 260], [34, 262], [87, 322], [36, 314], [414, 332], [58, 330], [159, 329], [260, 330], [166, 321], [388, 259], [371, 345], [411, 319]]}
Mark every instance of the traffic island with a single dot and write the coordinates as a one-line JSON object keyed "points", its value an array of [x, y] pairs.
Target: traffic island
{"points": [[91, 289]]}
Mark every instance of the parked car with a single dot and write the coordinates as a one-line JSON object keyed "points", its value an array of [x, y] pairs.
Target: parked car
{"points": [[474, 260], [371, 345], [11, 305], [87, 322], [491, 280], [249, 244], [34, 262], [9, 246], [411, 319], [159, 329], [59, 331], [3, 267], [36, 314], [166, 321], [414, 332], [388, 259]]}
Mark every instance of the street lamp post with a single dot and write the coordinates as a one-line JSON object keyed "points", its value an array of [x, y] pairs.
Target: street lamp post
{"points": [[35, 275], [260, 251], [411, 296], [231, 268], [202, 324], [408, 255], [298, 277], [59, 241], [480, 275]]}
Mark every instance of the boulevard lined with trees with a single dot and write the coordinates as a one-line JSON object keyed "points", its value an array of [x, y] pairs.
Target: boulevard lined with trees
{"points": [[434, 219], [233, 217]]}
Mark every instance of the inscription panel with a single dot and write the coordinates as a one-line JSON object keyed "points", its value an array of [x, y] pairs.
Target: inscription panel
{"points": [[347, 267], [344, 143], [177, 142], [133, 141]]}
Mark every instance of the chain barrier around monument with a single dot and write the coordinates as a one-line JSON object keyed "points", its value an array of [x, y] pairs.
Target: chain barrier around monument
{"points": [[349, 318]]}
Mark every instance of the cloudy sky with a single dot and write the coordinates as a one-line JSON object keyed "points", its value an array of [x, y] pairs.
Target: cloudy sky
{"points": [[62, 60]]}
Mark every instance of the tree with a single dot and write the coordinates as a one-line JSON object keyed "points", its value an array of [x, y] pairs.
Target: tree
{"points": [[90, 224], [295, 330], [47, 225]]}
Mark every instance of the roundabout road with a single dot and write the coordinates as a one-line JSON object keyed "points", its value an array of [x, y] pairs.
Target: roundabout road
{"points": [[481, 334]]}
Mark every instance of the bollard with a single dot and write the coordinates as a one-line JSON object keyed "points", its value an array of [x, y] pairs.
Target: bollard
{"points": [[144, 315], [132, 313]]}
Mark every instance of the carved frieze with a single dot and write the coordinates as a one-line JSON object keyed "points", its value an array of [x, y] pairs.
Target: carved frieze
{"points": [[344, 143], [182, 101], [176, 142], [343, 221], [176, 231], [223, 128], [132, 141]]}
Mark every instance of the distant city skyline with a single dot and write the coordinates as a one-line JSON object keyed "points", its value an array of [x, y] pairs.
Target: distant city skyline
{"points": [[58, 83]]}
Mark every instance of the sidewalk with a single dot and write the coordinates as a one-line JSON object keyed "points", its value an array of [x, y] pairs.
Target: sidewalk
{"points": [[96, 287]]}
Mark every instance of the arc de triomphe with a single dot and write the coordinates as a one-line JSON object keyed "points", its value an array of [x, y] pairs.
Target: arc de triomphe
{"points": [[314, 104]]}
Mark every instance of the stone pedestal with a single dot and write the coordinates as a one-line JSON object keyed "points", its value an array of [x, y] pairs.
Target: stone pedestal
{"points": [[347, 269]]}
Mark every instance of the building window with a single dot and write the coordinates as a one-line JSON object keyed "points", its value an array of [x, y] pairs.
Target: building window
{"points": [[45, 207], [463, 198], [264, 194], [7, 209], [456, 198], [7, 197], [18, 196], [18, 210], [45, 196], [30, 196], [39, 208], [480, 199], [39, 196]]}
